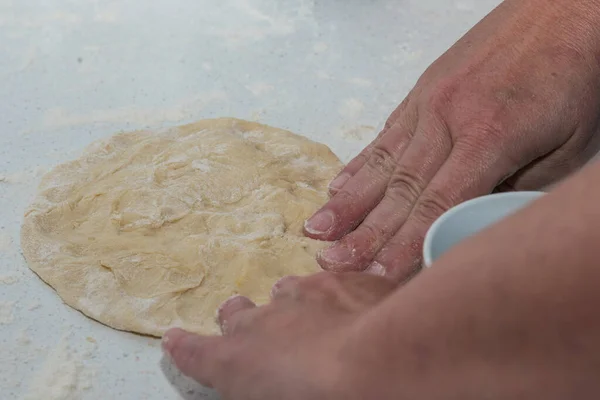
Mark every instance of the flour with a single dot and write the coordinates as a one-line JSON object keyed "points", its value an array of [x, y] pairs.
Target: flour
{"points": [[64, 375], [358, 132], [6, 243], [320, 47], [22, 177], [201, 165], [23, 339], [259, 88], [8, 279], [351, 108], [6, 312], [360, 82], [57, 117]]}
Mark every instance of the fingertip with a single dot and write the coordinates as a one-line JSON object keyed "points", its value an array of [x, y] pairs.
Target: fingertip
{"points": [[171, 338], [193, 355], [282, 283], [229, 308], [330, 265], [181, 348]]}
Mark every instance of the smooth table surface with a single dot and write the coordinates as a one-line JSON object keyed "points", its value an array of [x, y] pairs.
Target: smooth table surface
{"points": [[75, 71]]}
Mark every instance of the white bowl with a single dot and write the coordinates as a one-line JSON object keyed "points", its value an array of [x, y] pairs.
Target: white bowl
{"points": [[470, 217]]}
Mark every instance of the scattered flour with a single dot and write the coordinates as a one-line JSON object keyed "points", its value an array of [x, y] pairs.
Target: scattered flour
{"points": [[323, 75], [259, 88], [359, 132], [5, 243], [58, 117], [23, 176], [351, 107], [64, 375], [320, 47], [23, 339], [201, 165], [360, 82], [8, 279], [6, 312]]}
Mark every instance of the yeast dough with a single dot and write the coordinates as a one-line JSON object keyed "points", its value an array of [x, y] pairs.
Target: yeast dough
{"points": [[149, 230]]}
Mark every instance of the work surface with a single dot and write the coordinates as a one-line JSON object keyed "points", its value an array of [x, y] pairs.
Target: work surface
{"points": [[75, 71]]}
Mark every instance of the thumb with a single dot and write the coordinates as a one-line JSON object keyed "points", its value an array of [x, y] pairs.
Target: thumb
{"points": [[195, 356]]}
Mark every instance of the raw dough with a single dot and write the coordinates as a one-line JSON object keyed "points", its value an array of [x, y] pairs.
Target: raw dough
{"points": [[152, 230]]}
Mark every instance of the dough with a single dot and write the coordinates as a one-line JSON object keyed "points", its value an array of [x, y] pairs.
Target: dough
{"points": [[152, 230]]}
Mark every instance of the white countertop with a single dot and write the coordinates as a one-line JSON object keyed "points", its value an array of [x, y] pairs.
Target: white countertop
{"points": [[72, 71]]}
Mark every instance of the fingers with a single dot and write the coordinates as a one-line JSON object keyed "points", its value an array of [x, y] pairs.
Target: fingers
{"points": [[363, 191], [285, 287], [359, 161], [232, 313], [350, 291], [420, 162], [195, 356], [466, 174]]}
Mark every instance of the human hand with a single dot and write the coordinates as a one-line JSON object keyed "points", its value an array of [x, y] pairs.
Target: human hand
{"points": [[515, 101], [292, 348]]}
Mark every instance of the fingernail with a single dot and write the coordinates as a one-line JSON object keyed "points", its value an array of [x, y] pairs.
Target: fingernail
{"points": [[336, 254], [277, 285], [339, 181], [320, 222], [227, 301], [375, 269]]}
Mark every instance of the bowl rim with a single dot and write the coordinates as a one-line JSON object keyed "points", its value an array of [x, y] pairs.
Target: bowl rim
{"points": [[434, 228]]}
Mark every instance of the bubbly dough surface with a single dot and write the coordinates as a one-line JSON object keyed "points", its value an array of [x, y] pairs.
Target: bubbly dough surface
{"points": [[149, 230]]}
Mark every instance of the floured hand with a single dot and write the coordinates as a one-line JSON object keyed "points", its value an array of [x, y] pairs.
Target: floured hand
{"points": [[291, 348], [514, 102]]}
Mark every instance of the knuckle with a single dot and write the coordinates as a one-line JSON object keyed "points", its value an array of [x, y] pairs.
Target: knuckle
{"points": [[397, 113], [381, 160], [431, 205], [440, 98], [345, 197], [328, 283], [371, 233], [486, 142], [357, 162], [361, 158], [322, 282], [390, 121], [404, 185], [486, 130]]}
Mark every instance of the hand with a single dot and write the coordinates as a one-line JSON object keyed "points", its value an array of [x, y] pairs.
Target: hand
{"points": [[289, 349], [515, 101]]}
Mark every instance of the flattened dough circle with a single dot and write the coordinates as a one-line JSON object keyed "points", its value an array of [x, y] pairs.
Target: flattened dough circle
{"points": [[149, 230]]}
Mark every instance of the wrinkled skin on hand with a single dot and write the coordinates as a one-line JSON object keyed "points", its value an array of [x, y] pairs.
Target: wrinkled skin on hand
{"points": [[513, 105], [289, 349]]}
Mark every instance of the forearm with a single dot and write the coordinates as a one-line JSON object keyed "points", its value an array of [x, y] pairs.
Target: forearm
{"points": [[510, 312], [574, 26]]}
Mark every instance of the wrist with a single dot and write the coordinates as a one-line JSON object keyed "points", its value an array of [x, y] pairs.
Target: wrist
{"points": [[506, 310], [575, 24]]}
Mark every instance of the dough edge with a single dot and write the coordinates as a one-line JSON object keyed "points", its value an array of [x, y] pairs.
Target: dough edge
{"points": [[32, 240]]}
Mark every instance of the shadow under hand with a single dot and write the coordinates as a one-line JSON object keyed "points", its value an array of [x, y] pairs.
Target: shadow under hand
{"points": [[187, 388]]}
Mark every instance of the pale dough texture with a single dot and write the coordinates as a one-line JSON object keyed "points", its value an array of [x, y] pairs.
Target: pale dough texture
{"points": [[149, 230]]}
